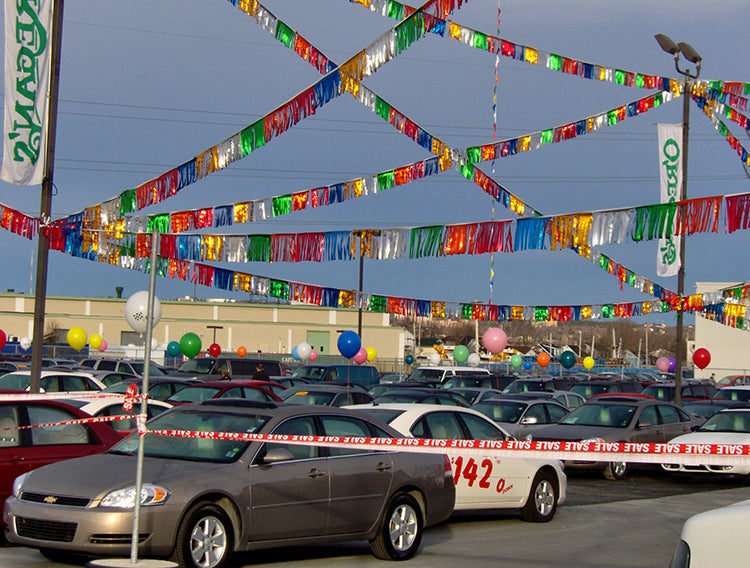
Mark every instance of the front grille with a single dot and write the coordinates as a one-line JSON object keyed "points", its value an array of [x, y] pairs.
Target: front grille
{"points": [[38, 529], [54, 499], [116, 538]]}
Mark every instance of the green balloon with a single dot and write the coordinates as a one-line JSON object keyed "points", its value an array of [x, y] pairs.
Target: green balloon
{"points": [[190, 345], [461, 354], [567, 359], [516, 360]]}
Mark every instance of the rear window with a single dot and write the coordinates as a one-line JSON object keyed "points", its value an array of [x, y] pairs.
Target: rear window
{"points": [[427, 375]]}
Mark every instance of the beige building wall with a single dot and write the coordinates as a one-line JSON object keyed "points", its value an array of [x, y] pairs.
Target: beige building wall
{"points": [[268, 328]]}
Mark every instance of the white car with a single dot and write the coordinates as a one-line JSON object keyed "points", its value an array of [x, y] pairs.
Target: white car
{"points": [[730, 426], [53, 381], [113, 406], [535, 486], [714, 538]]}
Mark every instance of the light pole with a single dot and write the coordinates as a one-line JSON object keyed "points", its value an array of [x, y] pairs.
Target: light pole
{"points": [[694, 57]]}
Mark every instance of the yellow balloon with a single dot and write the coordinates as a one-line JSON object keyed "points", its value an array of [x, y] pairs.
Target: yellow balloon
{"points": [[76, 338], [371, 353], [588, 362], [95, 341]]}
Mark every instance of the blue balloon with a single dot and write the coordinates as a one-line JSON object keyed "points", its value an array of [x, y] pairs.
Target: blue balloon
{"points": [[294, 353], [349, 344], [527, 365]]}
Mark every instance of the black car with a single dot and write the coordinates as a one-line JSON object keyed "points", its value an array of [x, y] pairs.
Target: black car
{"points": [[212, 368], [702, 390], [587, 389], [159, 388], [498, 382], [326, 394], [423, 396], [705, 409]]}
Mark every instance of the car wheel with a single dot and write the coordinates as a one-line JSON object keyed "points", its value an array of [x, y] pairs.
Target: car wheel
{"points": [[400, 531], [205, 538], [541, 505], [615, 471]]}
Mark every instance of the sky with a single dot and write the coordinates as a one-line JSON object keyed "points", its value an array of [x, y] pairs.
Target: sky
{"points": [[146, 86]]}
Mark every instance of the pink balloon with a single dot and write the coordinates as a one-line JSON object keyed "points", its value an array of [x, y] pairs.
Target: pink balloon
{"points": [[360, 356], [313, 355], [662, 363], [103, 346], [494, 340]]}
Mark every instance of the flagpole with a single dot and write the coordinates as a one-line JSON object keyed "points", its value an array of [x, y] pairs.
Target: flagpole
{"points": [[45, 208]]}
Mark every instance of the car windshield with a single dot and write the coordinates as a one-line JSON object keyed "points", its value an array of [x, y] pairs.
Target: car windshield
{"points": [[197, 366], [400, 397], [194, 394], [307, 397], [16, 382], [193, 448], [152, 369], [426, 375], [659, 392], [606, 415], [587, 391], [727, 422], [508, 411], [122, 386], [725, 394], [525, 386], [386, 415], [310, 372], [470, 395]]}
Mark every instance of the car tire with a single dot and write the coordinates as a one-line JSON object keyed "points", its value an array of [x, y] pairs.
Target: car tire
{"points": [[541, 504], [205, 538], [400, 531], [616, 471]]}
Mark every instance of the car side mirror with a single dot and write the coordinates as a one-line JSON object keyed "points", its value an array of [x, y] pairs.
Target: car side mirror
{"points": [[277, 455], [529, 420]]}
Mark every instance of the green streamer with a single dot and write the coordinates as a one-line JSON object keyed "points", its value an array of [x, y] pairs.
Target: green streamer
{"points": [[284, 33], [282, 205], [258, 248], [158, 222], [378, 303], [555, 62], [127, 201], [386, 180], [279, 289]]}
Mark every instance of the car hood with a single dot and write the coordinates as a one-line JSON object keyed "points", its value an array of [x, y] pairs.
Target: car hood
{"points": [[712, 438], [574, 432], [108, 472]]}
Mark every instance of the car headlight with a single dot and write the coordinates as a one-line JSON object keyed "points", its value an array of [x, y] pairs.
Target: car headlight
{"points": [[593, 440], [125, 498], [18, 484]]}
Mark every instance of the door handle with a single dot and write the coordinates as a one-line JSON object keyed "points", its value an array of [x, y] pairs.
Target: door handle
{"points": [[313, 473], [382, 466]]}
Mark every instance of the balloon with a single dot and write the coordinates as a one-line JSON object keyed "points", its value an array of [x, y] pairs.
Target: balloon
{"points": [[542, 359], [103, 346], [303, 350], [527, 365], [461, 353], [589, 362], [3, 339], [25, 343], [434, 359], [95, 340], [190, 345], [371, 353], [516, 361], [494, 340], [360, 356], [173, 349], [474, 360], [701, 358], [662, 363], [241, 351], [295, 354], [136, 311], [672, 364], [76, 338], [349, 344], [409, 359], [567, 359], [313, 355], [214, 350]]}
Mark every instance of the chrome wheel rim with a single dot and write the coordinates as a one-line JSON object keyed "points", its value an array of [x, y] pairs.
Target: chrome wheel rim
{"points": [[619, 468], [544, 498], [208, 542], [403, 528]]}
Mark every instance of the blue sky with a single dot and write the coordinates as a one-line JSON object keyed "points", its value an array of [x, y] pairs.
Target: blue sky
{"points": [[145, 86]]}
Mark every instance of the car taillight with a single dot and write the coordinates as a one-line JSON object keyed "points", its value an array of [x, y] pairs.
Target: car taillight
{"points": [[448, 469]]}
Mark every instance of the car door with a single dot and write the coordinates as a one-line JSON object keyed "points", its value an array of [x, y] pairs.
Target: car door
{"points": [[360, 479], [291, 498], [648, 427], [675, 421], [534, 418], [12, 454]]}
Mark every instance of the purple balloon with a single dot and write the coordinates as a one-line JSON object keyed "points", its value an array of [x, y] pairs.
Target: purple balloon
{"points": [[672, 364]]}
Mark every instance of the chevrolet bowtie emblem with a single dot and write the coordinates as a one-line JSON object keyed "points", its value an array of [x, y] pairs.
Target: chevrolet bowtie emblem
{"points": [[50, 499]]}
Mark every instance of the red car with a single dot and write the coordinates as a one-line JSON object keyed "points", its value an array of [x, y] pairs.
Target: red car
{"points": [[254, 390], [24, 449]]}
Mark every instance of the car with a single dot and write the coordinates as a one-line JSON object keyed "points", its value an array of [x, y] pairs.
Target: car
{"points": [[740, 393], [714, 538], [395, 377], [49, 362], [10, 366], [705, 409], [622, 419], [113, 406], [325, 394], [32, 434], [53, 381], [442, 374], [211, 368], [730, 426], [363, 375], [521, 417], [422, 396], [587, 389], [288, 381], [733, 380], [254, 390], [568, 399], [159, 388], [383, 388], [205, 498], [476, 394], [535, 486], [538, 384], [464, 380], [129, 366], [109, 378], [690, 390]]}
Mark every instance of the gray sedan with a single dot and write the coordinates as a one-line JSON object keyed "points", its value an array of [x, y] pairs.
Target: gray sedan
{"points": [[204, 498], [521, 417]]}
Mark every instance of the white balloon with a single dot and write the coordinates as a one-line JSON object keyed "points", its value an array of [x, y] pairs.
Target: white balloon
{"points": [[434, 359], [136, 311], [25, 343], [303, 350], [474, 360]]}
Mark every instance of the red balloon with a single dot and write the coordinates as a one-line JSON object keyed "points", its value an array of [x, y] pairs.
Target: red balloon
{"points": [[214, 350], [3, 339], [701, 358]]}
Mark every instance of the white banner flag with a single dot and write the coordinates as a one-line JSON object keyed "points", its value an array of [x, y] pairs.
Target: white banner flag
{"points": [[670, 175], [28, 37]]}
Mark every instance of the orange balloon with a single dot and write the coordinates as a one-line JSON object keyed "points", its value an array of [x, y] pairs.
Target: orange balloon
{"points": [[542, 359], [241, 351]]}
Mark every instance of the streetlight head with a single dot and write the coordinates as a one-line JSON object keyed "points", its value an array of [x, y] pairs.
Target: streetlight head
{"points": [[667, 44], [689, 52]]}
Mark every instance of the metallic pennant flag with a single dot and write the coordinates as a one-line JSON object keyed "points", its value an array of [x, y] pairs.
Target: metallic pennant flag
{"points": [[670, 175]]}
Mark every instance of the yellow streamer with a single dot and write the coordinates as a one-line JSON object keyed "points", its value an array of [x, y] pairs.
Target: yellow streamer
{"points": [[241, 212], [532, 56], [454, 30], [242, 281], [585, 312]]}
